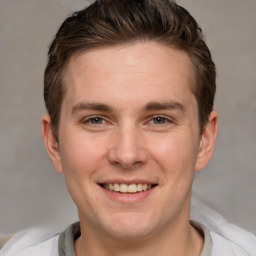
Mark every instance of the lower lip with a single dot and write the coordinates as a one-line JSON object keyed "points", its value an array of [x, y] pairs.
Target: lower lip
{"points": [[128, 197]]}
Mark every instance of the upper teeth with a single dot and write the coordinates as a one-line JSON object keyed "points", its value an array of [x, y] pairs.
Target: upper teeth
{"points": [[124, 188]]}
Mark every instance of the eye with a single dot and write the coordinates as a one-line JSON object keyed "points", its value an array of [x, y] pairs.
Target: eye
{"points": [[159, 120], [95, 123], [95, 120]]}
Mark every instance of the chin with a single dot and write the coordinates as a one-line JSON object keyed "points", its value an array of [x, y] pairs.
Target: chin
{"points": [[131, 226]]}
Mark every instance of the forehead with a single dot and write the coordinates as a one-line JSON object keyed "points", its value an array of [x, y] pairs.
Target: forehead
{"points": [[143, 69]]}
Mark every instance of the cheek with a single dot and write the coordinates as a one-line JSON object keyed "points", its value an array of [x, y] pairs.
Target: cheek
{"points": [[176, 155], [81, 159], [80, 154]]}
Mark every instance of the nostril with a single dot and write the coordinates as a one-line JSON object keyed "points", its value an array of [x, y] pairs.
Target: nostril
{"points": [[127, 158]]}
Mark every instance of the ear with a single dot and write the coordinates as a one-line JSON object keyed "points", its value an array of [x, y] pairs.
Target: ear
{"points": [[207, 142], [51, 143]]}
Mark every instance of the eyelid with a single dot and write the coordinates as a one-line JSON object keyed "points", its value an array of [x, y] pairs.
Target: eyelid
{"points": [[149, 119], [167, 119], [91, 117]]}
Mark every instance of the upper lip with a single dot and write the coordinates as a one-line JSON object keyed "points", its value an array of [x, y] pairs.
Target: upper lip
{"points": [[126, 181]]}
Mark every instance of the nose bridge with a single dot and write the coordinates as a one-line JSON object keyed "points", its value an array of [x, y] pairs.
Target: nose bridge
{"points": [[127, 149], [127, 145]]}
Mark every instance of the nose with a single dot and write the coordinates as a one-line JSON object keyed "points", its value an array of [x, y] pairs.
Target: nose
{"points": [[127, 149]]}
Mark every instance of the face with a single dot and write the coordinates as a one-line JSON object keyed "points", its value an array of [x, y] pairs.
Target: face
{"points": [[129, 139]]}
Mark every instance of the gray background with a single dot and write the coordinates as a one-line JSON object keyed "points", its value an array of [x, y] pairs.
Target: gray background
{"points": [[32, 193]]}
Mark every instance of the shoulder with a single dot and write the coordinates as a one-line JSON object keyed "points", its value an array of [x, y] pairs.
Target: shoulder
{"points": [[223, 246], [33, 242], [228, 239]]}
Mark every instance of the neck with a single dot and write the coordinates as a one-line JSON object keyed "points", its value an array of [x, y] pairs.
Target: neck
{"points": [[180, 240]]}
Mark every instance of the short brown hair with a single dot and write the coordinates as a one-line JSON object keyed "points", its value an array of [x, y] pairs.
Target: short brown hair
{"points": [[117, 22]]}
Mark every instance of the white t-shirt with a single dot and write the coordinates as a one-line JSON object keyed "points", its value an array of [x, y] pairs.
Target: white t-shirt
{"points": [[220, 237]]}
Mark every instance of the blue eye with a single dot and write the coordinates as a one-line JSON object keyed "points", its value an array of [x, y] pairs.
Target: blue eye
{"points": [[159, 120], [96, 120]]}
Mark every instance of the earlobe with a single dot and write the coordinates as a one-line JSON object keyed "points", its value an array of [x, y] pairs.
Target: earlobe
{"points": [[207, 142], [51, 143]]}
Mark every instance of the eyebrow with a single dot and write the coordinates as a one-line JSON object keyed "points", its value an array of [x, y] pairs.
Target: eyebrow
{"points": [[151, 106], [169, 105], [91, 106]]}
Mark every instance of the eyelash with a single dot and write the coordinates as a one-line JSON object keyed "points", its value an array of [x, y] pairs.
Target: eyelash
{"points": [[161, 119], [91, 119], [152, 121]]}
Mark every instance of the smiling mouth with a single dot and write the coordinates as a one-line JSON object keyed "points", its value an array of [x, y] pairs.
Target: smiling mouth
{"points": [[127, 188]]}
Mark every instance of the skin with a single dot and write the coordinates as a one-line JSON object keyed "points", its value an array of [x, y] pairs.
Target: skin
{"points": [[128, 116]]}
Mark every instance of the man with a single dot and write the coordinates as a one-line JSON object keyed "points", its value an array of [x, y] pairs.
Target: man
{"points": [[129, 90]]}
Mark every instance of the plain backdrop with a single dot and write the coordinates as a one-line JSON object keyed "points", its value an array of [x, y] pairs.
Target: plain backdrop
{"points": [[32, 193]]}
